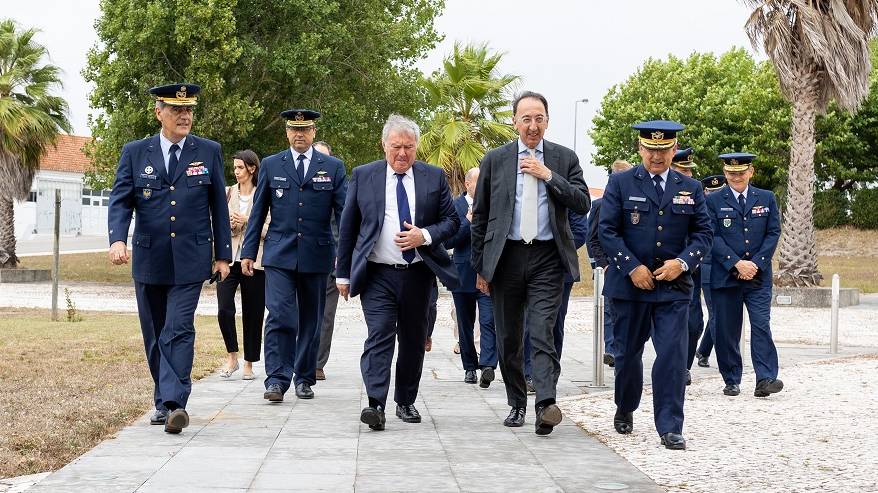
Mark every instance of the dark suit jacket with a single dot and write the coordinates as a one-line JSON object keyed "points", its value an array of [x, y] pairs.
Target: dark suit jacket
{"points": [[751, 234], [636, 228], [461, 244], [363, 217], [595, 250], [299, 236], [191, 205], [495, 199]]}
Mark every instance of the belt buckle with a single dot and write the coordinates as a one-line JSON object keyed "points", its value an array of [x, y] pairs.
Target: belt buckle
{"points": [[531, 242], [401, 266]]}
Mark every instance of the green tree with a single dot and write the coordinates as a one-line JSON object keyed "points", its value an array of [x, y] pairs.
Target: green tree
{"points": [[30, 120], [472, 114], [728, 103], [820, 51], [353, 61]]}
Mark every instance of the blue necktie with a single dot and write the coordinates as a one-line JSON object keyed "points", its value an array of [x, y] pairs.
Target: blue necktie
{"points": [[742, 202], [405, 214], [658, 186], [300, 168], [173, 162]]}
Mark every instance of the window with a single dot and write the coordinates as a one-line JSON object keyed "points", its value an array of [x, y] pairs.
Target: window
{"points": [[32, 197], [86, 201]]}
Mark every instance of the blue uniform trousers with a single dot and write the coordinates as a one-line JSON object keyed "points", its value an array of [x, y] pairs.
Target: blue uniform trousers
{"points": [[729, 309], [557, 331], [609, 322], [295, 303], [706, 345], [167, 321], [635, 323], [465, 306], [696, 319], [395, 305]]}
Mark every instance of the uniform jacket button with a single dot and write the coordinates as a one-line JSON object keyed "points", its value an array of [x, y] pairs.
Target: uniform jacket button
{"points": [[173, 218], [172, 188], [658, 243], [173, 235], [300, 235], [661, 213]]}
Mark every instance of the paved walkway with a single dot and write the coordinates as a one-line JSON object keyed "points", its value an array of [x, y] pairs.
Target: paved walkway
{"points": [[239, 442]]}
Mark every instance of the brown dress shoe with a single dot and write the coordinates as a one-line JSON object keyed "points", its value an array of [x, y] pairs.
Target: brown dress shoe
{"points": [[428, 345], [319, 374]]}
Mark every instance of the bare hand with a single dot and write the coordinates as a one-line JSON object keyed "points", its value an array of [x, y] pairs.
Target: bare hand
{"points": [[119, 253], [642, 278], [413, 238], [669, 271], [247, 266], [469, 214], [221, 266], [534, 167], [746, 270], [344, 290], [482, 285]]}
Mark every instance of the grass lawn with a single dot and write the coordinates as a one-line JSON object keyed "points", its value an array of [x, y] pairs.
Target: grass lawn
{"points": [[67, 386], [84, 267]]}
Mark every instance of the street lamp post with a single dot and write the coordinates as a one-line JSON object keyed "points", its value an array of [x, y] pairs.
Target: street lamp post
{"points": [[575, 119]]}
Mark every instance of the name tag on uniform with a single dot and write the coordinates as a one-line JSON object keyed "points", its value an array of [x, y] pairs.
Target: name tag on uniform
{"points": [[278, 178], [637, 199], [726, 209], [196, 170], [148, 177]]}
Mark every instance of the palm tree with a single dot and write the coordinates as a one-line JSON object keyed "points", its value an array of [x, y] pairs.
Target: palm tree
{"points": [[820, 51], [30, 119], [473, 111]]}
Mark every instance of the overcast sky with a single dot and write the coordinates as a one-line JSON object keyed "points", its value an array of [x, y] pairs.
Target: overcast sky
{"points": [[566, 49]]}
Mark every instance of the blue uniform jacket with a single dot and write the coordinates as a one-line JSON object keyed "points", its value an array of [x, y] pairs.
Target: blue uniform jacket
{"points": [[363, 217], [299, 236], [579, 228], [637, 229], [173, 241], [751, 234], [462, 245]]}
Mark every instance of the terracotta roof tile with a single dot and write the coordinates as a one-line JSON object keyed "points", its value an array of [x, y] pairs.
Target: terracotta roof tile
{"points": [[66, 155]]}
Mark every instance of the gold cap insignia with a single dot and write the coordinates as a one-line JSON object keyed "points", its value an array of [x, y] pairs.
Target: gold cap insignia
{"points": [[300, 116], [715, 181], [182, 92], [658, 135], [733, 162]]}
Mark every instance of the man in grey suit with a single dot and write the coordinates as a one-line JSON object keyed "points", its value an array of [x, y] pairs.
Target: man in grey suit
{"points": [[522, 252]]}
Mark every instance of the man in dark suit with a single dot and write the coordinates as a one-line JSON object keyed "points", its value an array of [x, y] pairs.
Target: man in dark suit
{"points": [[599, 256], [655, 229], [467, 297], [174, 183], [746, 224], [301, 188], [397, 214], [521, 248]]}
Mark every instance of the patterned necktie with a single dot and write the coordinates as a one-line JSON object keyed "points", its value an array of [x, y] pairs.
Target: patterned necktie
{"points": [[658, 186], [405, 214], [173, 161], [529, 206], [300, 168], [742, 202]]}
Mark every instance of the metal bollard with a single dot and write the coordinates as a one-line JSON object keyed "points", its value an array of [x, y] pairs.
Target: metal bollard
{"points": [[598, 363], [833, 332]]}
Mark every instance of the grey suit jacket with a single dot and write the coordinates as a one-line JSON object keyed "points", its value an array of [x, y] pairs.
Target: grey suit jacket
{"points": [[495, 201]]}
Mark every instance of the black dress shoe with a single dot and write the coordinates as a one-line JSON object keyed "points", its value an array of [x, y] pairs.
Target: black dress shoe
{"points": [[688, 377], [487, 377], [303, 391], [609, 360], [274, 393], [374, 417], [702, 360], [408, 413], [158, 417], [515, 418], [548, 418], [177, 420], [731, 389], [767, 386], [470, 377], [529, 383], [674, 441], [623, 422]]}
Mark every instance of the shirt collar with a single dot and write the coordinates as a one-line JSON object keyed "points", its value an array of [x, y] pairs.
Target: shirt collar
{"points": [[391, 173], [166, 143], [469, 200], [524, 148], [308, 154], [664, 175], [735, 193]]}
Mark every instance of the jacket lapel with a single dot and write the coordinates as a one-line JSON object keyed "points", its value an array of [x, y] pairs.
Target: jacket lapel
{"points": [[646, 184], [729, 197], [752, 198], [672, 187], [314, 166], [155, 159], [511, 176], [289, 166], [379, 179], [190, 150], [419, 172]]}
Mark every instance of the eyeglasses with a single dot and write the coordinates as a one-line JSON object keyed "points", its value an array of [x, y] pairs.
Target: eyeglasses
{"points": [[539, 119]]}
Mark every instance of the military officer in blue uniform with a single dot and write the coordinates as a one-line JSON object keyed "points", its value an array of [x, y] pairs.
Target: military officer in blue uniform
{"points": [[301, 187], [174, 183], [746, 225], [683, 164], [655, 230], [702, 353]]}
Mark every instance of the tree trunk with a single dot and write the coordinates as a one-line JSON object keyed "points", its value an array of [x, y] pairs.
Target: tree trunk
{"points": [[8, 260], [797, 258]]}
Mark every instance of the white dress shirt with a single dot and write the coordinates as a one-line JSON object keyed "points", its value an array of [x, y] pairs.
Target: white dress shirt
{"points": [[386, 251], [306, 162], [735, 193], [544, 227], [166, 148]]}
